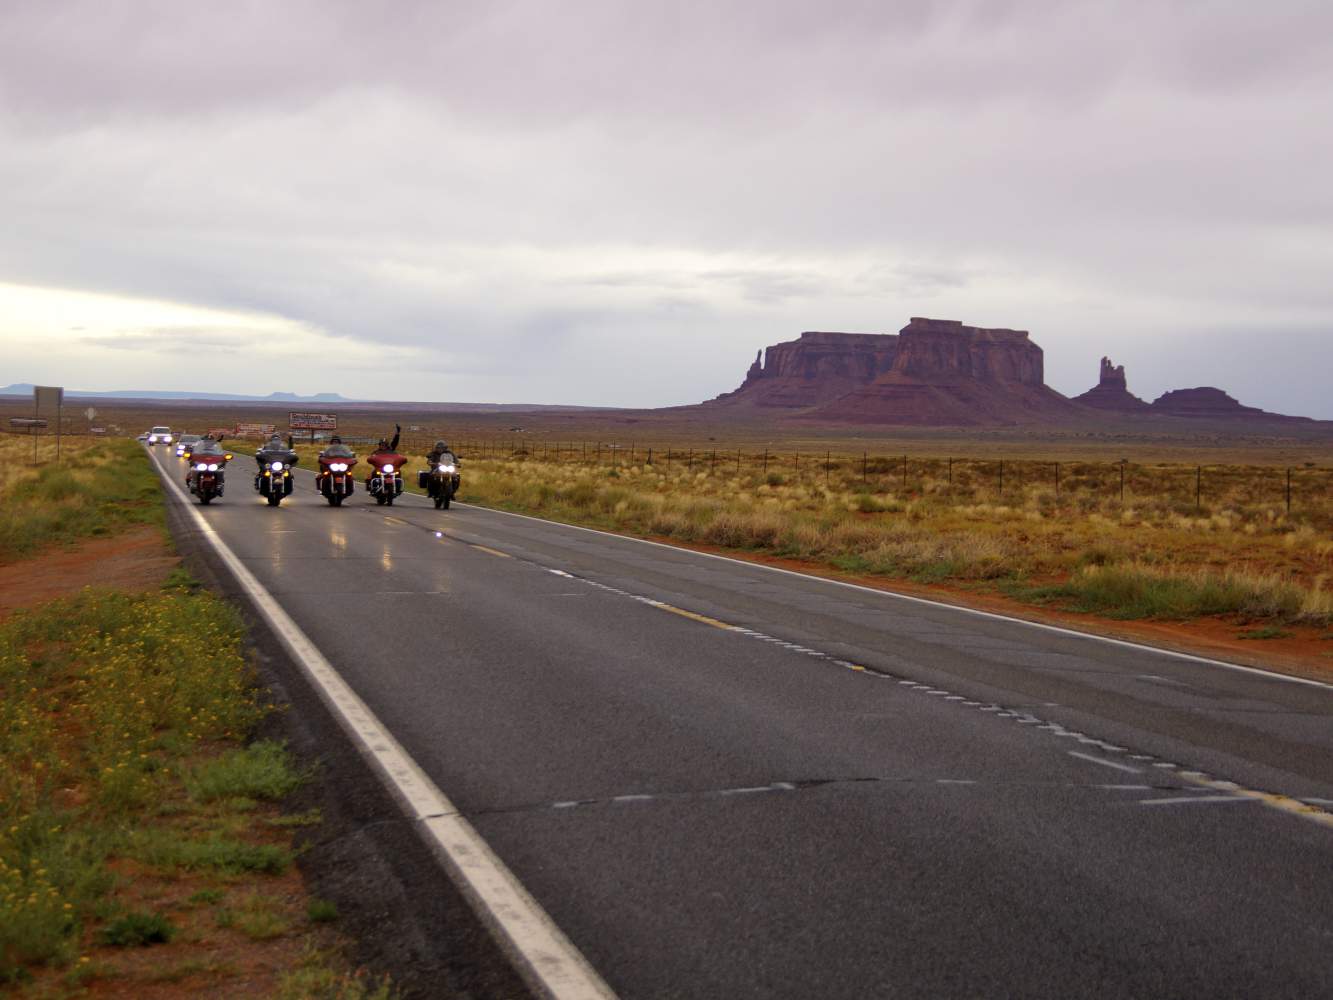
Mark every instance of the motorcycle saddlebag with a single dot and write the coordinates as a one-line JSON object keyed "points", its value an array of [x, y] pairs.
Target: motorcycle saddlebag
{"points": [[423, 479]]}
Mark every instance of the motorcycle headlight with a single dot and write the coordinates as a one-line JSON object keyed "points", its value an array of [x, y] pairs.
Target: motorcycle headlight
{"points": [[276, 466], [389, 467], [212, 466], [201, 467], [446, 468]]}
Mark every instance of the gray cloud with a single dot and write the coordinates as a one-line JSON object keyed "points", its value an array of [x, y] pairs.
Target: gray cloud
{"points": [[522, 198]]}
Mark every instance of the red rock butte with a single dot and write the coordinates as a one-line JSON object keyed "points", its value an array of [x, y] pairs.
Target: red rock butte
{"points": [[933, 372], [1112, 392]]}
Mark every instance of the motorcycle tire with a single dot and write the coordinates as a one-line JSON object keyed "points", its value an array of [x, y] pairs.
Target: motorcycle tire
{"points": [[335, 500], [379, 499], [274, 499], [204, 499], [446, 501], [439, 502], [389, 499]]}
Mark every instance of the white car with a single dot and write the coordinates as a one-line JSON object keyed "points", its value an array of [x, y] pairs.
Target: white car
{"points": [[183, 443], [159, 435]]}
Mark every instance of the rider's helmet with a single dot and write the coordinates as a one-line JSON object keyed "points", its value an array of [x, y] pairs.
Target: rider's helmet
{"points": [[336, 439], [441, 446]]}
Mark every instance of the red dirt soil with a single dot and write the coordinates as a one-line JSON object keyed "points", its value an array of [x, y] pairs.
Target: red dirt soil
{"points": [[137, 560]]}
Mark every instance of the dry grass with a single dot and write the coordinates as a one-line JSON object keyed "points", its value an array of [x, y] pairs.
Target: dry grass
{"points": [[1154, 555]]}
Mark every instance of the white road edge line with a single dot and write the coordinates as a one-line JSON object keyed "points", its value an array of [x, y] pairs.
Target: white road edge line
{"points": [[1103, 762], [547, 960]]}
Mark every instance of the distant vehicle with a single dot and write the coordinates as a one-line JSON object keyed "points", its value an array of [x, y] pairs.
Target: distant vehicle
{"points": [[143, 436], [183, 444], [159, 435]]}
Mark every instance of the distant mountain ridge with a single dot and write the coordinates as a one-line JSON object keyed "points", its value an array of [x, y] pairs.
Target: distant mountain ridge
{"points": [[25, 389]]}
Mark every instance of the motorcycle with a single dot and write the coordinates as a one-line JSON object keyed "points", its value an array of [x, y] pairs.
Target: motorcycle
{"points": [[274, 480], [440, 483], [385, 484], [207, 477], [334, 478]]}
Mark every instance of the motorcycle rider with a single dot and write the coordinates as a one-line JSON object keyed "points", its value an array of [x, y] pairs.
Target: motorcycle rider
{"points": [[336, 447], [390, 447], [274, 450], [440, 453]]}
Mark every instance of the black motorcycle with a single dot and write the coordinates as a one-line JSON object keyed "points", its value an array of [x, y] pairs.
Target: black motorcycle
{"points": [[441, 481], [274, 480]]}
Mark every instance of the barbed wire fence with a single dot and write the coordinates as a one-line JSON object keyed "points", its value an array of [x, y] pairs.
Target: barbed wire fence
{"points": [[1194, 488]]}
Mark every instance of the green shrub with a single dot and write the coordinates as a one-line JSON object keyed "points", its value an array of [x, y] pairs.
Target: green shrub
{"points": [[138, 930], [262, 770]]}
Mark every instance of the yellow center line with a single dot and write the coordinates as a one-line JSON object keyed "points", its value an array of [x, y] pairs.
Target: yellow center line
{"points": [[1283, 803], [694, 617], [494, 552]]}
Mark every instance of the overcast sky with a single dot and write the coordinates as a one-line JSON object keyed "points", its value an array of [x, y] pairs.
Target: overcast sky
{"points": [[619, 202]]}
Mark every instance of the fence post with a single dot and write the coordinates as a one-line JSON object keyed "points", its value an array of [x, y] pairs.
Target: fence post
{"points": [[1198, 488], [828, 456], [1122, 480], [738, 461], [1057, 480], [765, 461], [904, 473], [1288, 490], [1001, 477], [712, 462], [690, 461], [863, 468], [951, 472]]}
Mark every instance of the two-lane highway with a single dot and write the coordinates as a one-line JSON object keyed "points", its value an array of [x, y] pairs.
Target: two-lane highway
{"points": [[721, 780]]}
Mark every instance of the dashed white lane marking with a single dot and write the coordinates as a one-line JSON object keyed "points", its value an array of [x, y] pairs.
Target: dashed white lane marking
{"points": [[1193, 800], [1103, 762], [541, 953]]}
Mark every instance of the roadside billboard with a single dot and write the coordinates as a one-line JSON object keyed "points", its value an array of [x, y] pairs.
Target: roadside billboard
{"points": [[312, 421], [255, 430]]}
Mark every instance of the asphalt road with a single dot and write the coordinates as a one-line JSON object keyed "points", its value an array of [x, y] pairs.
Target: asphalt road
{"points": [[725, 781]]}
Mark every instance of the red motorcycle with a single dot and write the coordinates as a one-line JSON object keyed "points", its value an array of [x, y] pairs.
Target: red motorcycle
{"points": [[385, 484], [206, 476], [334, 478]]}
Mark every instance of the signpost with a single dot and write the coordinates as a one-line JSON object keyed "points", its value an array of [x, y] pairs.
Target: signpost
{"points": [[312, 422], [31, 424], [48, 396]]}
